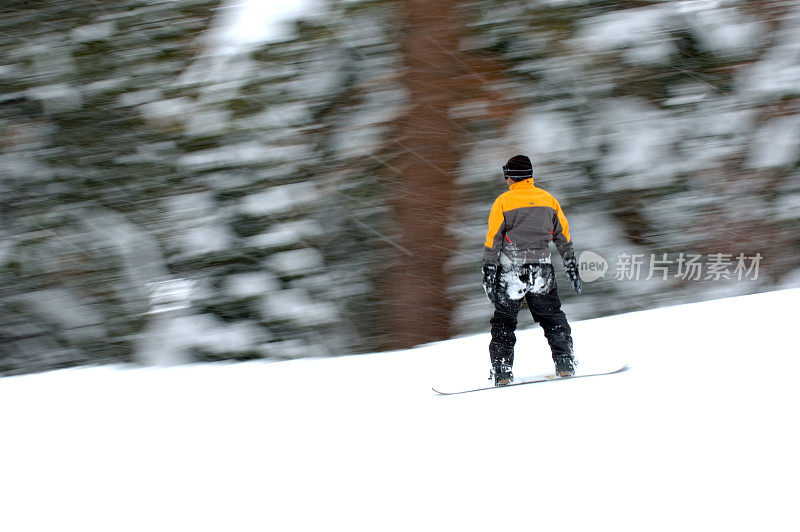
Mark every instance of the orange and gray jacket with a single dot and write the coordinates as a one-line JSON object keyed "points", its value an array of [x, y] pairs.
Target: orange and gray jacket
{"points": [[522, 223]]}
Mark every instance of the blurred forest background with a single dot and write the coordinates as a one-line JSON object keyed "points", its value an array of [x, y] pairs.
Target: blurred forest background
{"points": [[167, 195]]}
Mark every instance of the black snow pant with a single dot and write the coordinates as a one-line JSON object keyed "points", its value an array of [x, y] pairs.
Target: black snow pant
{"points": [[540, 292]]}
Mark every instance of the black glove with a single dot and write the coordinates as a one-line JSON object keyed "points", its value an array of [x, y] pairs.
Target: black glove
{"points": [[490, 277], [574, 276]]}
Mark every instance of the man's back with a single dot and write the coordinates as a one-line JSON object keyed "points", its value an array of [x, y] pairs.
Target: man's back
{"points": [[522, 222]]}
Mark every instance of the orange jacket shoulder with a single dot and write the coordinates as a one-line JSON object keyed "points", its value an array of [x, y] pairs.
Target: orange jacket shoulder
{"points": [[532, 197]]}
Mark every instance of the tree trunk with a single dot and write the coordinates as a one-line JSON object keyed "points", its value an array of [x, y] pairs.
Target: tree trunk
{"points": [[428, 148]]}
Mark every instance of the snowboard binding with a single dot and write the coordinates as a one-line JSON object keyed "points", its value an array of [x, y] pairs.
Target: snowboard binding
{"points": [[565, 365], [501, 373]]}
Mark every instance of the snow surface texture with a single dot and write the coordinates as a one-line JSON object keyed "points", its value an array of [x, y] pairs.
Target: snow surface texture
{"points": [[256, 21], [699, 435]]}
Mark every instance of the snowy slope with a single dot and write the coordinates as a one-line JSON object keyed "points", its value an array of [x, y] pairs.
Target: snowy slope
{"points": [[699, 435]]}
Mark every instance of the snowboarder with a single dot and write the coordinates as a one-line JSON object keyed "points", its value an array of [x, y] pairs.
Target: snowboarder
{"points": [[517, 266]]}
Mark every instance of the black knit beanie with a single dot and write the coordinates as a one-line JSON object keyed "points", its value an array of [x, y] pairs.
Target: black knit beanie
{"points": [[518, 168]]}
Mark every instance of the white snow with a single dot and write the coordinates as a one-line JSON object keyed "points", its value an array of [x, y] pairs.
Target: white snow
{"points": [[726, 31], [297, 261], [257, 21], [208, 238], [241, 26], [197, 224], [550, 135], [208, 123], [278, 116], [242, 153], [777, 73], [170, 294], [515, 288], [787, 207], [251, 284], [699, 435], [93, 32], [168, 337], [777, 143], [170, 110], [630, 28], [279, 199], [286, 234], [639, 138], [57, 98], [64, 308], [297, 305], [650, 53]]}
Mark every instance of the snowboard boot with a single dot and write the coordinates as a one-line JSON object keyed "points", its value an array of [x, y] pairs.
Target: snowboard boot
{"points": [[501, 372], [565, 365]]}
